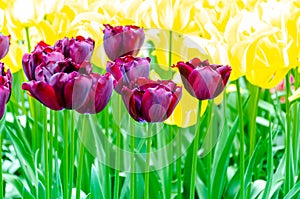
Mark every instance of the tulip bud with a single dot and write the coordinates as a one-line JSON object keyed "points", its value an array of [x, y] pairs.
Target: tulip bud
{"points": [[99, 95], [127, 69], [4, 45], [202, 80], [151, 101], [122, 40], [5, 88]]}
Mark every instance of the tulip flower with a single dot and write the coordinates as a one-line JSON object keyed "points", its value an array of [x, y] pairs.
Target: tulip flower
{"points": [[99, 94], [5, 88], [127, 69], [61, 75], [151, 101], [122, 40], [202, 80], [4, 45]]}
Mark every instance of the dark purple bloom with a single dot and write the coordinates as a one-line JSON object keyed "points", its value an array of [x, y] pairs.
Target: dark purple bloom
{"points": [[127, 69], [4, 45], [78, 49], [58, 77], [99, 95], [122, 40], [151, 101], [202, 80], [5, 88]]}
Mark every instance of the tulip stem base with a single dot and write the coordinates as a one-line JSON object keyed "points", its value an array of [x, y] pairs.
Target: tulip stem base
{"points": [[132, 172], [195, 151], [81, 158], [178, 164], [288, 166], [147, 165], [242, 142], [66, 154]]}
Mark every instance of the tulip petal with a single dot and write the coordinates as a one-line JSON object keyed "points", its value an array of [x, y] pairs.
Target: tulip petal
{"points": [[4, 97], [43, 92], [103, 92], [76, 91], [204, 81], [99, 94], [155, 104]]}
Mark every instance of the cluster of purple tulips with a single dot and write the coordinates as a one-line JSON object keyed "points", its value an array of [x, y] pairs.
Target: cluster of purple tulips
{"points": [[61, 76]]}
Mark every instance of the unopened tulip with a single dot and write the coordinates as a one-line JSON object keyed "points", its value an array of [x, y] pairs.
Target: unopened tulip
{"points": [[202, 80], [122, 40], [151, 101], [5, 88], [127, 69], [4, 45]]}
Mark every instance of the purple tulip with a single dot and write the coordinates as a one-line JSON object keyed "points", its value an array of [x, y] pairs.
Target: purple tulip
{"points": [[127, 69], [58, 77], [99, 95], [202, 80], [78, 49], [122, 40], [151, 101], [4, 45], [5, 88]]}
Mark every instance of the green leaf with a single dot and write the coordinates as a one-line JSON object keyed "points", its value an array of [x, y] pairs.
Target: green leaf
{"points": [[95, 188], [221, 158], [256, 188], [293, 192]]}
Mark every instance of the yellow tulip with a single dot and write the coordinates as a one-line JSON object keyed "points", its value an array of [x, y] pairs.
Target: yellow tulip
{"points": [[175, 15], [34, 12], [269, 58], [284, 15], [13, 59], [60, 21]]}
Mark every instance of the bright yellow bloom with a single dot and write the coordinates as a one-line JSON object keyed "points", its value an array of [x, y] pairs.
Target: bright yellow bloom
{"points": [[284, 15], [161, 17], [13, 59], [269, 58], [175, 15]]}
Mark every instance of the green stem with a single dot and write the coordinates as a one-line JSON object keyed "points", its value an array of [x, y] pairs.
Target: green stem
{"points": [[132, 173], [170, 168], [296, 132], [178, 165], [81, 158], [72, 154], [170, 47], [28, 39], [51, 148], [55, 144], [147, 166], [288, 171], [107, 168], [269, 163], [254, 109], [195, 150], [209, 155], [46, 154], [118, 155], [66, 154], [242, 142]]}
